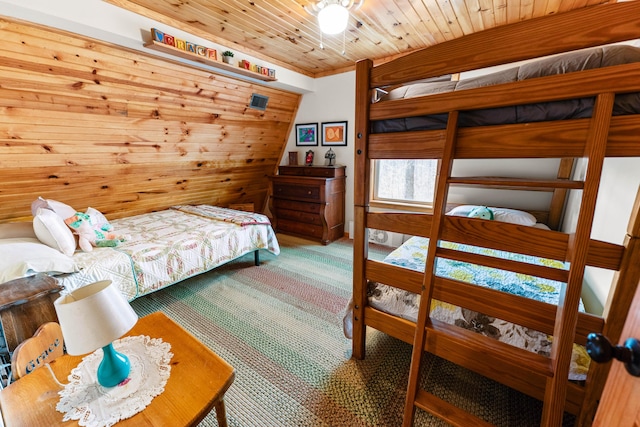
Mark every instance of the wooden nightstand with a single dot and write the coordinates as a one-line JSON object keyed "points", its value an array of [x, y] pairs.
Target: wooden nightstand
{"points": [[197, 384], [25, 304], [309, 201]]}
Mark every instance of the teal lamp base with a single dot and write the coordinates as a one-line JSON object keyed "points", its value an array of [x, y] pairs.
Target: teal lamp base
{"points": [[114, 368]]}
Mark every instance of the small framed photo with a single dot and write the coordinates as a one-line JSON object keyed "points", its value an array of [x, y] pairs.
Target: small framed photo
{"points": [[308, 158], [306, 134], [334, 133], [293, 158]]}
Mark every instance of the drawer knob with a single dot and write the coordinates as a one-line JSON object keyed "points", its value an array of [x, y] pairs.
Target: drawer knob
{"points": [[309, 192]]}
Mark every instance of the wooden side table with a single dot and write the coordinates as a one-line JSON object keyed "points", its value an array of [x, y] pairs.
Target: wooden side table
{"points": [[25, 304], [197, 384]]}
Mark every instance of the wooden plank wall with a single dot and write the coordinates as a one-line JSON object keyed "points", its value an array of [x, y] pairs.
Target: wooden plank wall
{"points": [[93, 124]]}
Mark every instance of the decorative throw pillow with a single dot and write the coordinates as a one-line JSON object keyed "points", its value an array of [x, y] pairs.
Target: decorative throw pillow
{"points": [[52, 231], [24, 257]]}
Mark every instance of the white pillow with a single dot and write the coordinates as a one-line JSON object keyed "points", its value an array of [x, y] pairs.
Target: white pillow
{"points": [[52, 231], [542, 226], [512, 216], [63, 210], [25, 256]]}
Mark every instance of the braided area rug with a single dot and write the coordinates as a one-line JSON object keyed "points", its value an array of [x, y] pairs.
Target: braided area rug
{"points": [[280, 325]]}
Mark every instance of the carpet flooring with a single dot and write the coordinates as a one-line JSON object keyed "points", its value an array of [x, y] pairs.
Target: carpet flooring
{"points": [[280, 325]]}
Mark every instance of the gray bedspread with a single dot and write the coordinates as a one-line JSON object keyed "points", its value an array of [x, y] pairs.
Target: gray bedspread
{"points": [[559, 110]]}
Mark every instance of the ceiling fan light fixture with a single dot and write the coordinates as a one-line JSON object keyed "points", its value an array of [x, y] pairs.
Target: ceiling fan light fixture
{"points": [[333, 18]]}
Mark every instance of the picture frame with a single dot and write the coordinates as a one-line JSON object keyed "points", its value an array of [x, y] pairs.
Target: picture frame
{"points": [[308, 158], [293, 158], [307, 134], [334, 134]]}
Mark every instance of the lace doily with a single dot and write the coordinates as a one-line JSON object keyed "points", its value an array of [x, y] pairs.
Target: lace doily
{"points": [[93, 405]]}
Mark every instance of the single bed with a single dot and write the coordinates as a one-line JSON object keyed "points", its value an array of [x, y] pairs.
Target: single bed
{"points": [[161, 248], [172, 245], [596, 132]]}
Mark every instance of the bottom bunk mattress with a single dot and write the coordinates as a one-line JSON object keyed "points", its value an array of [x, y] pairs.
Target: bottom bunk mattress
{"points": [[168, 246], [412, 255]]}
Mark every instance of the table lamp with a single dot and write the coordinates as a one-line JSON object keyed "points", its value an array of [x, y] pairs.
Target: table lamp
{"points": [[92, 317]]}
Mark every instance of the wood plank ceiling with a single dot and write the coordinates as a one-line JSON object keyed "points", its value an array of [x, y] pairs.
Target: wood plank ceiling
{"points": [[283, 32]]}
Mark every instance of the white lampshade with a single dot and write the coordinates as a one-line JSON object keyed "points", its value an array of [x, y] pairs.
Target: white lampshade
{"points": [[93, 316], [333, 18]]}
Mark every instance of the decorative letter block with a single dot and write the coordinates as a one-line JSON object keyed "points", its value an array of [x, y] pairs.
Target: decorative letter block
{"points": [[157, 35]]}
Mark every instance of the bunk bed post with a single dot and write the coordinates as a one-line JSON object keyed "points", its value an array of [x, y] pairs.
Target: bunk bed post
{"points": [[560, 194], [361, 205], [623, 288], [567, 312]]}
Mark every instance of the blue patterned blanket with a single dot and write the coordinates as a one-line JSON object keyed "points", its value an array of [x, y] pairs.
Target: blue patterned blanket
{"points": [[412, 255]]}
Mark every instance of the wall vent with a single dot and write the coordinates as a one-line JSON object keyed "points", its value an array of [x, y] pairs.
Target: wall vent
{"points": [[258, 102]]}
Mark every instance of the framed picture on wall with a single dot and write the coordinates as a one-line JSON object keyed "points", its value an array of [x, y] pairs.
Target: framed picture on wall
{"points": [[306, 134], [334, 133]]}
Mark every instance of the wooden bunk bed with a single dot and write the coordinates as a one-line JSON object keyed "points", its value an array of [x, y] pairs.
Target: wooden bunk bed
{"points": [[595, 138]]}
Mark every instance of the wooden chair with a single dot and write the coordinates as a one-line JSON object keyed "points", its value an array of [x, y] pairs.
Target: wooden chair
{"points": [[43, 347]]}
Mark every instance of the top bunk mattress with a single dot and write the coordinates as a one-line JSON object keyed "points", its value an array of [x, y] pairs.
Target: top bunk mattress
{"points": [[557, 110]]}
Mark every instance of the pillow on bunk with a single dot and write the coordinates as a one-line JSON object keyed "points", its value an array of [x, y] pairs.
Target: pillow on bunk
{"points": [[626, 103], [25, 256], [52, 231], [512, 216], [561, 64]]}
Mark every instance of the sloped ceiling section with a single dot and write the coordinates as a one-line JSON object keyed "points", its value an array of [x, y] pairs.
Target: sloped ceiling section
{"points": [[93, 124]]}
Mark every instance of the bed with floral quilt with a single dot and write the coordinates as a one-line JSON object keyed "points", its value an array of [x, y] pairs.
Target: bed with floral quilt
{"points": [[412, 255], [168, 246]]}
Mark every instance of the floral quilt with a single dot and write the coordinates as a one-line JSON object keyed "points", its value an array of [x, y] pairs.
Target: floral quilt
{"points": [[412, 254], [169, 246]]}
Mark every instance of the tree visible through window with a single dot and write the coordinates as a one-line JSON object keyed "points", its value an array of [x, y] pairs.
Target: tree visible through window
{"points": [[410, 181]]}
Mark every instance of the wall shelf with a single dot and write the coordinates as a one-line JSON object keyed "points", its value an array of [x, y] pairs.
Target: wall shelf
{"points": [[161, 47]]}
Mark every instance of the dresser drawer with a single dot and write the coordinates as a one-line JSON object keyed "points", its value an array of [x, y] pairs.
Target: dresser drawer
{"points": [[300, 191], [313, 171], [304, 217], [294, 205], [311, 230]]}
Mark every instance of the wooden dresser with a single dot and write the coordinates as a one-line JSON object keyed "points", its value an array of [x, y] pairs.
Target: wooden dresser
{"points": [[309, 201]]}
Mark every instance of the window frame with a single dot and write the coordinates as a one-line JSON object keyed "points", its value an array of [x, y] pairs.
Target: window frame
{"points": [[396, 204]]}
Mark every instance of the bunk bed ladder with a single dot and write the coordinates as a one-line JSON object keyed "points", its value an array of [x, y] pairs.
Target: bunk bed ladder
{"points": [[415, 397], [566, 314]]}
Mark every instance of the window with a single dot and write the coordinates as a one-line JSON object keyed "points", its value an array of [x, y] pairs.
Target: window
{"points": [[405, 181]]}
